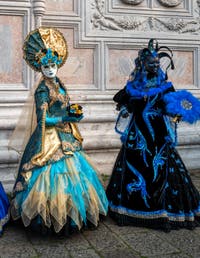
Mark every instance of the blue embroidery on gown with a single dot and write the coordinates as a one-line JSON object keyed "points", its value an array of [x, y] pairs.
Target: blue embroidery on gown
{"points": [[154, 186], [137, 185], [158, 161], [141, 143], [149, 113]]}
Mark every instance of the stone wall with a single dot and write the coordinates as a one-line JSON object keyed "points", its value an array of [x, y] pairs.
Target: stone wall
{"points": [[103, 39]]}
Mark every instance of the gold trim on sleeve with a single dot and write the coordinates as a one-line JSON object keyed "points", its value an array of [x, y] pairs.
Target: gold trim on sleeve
{"points": [[76, 133], [50, 143]]}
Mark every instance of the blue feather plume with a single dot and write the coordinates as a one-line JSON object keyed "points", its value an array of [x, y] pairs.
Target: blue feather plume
{"points": [[183, 103]]}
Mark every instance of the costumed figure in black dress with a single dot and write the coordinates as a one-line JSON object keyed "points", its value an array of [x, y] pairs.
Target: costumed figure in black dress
{"points": [[57, 188], [150, 185]]}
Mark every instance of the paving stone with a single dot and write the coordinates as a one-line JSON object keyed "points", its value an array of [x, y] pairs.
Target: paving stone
{"points": [[103, 239], [13, 235], [188, 241], [178, 255], [103, 225], [51, 251], [36, 239], [76, 242], [48, 246], [197, 231], [123, 230], [119, 253], [84, 253], [23, 250], [148, 244]]}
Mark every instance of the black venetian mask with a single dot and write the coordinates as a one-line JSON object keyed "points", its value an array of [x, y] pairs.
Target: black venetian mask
{"points": [[152, 64]]}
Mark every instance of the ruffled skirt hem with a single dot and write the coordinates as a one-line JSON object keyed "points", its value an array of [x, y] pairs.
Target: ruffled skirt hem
{"points": [[163, 221], [65, 189], [3, 222]]}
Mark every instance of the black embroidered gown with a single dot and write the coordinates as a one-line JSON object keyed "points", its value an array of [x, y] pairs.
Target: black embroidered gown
{"points": [[150, 185]]}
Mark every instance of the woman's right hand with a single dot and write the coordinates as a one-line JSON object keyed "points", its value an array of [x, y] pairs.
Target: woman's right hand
{"points": [[177, 118], [124, 112]]}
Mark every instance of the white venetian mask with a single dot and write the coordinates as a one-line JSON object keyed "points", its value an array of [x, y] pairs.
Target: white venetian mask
{"points": [[49, 70]]}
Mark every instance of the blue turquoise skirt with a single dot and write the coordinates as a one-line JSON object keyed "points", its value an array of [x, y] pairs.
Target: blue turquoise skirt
{"points": [[4, 206], [69, 187]]}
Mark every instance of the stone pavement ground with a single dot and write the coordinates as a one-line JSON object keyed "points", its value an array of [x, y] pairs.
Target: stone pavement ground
{"points": [[108, 241]]}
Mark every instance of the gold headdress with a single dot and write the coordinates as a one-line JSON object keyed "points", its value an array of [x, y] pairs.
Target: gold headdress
{"points": [[45, 45]]}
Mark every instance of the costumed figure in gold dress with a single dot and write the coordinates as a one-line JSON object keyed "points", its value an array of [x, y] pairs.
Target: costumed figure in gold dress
{"points": [[57, 188]]}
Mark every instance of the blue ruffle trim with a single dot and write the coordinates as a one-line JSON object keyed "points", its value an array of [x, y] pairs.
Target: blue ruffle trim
{"points": [[154, 214], [141, 93]]}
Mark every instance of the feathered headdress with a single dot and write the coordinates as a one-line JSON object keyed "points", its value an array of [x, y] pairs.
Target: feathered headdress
{"points": [[153, 50]]}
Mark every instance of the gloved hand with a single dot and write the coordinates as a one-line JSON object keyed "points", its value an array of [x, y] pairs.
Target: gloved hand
{"points": [[177, 118], [124, 112], [71, 119], [51, 121]]}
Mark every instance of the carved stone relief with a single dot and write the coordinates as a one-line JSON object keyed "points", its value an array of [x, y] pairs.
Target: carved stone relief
{"points": [[170, 3], [134, 2], [104, 22]]}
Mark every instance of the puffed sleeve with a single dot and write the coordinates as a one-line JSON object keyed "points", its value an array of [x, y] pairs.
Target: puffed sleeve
{"points": [[121, 98], [41, 101]]}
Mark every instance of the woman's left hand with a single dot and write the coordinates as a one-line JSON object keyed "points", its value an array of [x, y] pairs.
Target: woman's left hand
{"points": [[177, 118]]}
